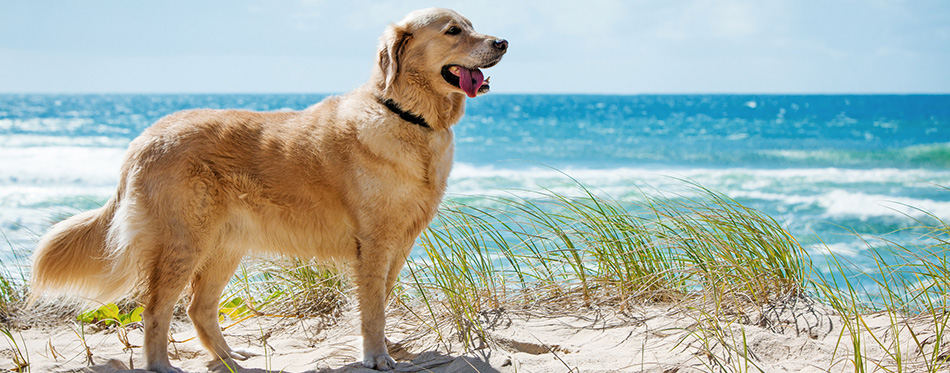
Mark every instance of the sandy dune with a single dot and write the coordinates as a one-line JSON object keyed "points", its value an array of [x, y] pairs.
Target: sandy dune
{"points": [[794, 336]]}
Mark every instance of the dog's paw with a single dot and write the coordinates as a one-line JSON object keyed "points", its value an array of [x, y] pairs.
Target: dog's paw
{"points": [[242, 354], [379, 362]]}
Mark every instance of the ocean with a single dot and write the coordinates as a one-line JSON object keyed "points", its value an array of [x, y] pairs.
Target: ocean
{"points": [[836, 170]]}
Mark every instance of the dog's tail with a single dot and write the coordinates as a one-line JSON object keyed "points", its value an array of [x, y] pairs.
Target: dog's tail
{"points": [[74, 258]]}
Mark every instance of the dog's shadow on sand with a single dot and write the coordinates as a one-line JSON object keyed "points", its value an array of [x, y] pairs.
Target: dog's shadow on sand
{"points": [[431, 361]]}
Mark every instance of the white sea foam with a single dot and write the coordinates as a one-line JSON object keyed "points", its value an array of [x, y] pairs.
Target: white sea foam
{"points": [[44, 124], [845, 203], [755, 177], [44, 141], [845, 249], [825, 175], [37, 184], [470, 180], [59, 166], [836, 192], [462, 171], [840, 202]]}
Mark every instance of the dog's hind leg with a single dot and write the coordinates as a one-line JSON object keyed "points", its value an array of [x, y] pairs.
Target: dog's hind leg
{"points": [[203, 311], [170, 269]]}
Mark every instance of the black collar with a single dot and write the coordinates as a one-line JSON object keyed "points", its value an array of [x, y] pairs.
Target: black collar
{"points": [[405, 115]]}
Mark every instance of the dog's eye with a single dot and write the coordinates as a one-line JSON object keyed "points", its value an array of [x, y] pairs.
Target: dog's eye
{"points": [[454, 30]]}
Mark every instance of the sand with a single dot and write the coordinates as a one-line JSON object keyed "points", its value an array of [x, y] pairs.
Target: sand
{"points": [[797, 335]]}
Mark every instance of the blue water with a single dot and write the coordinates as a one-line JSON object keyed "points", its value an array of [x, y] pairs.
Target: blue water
{"points": [[711, 131], [822, 165]]}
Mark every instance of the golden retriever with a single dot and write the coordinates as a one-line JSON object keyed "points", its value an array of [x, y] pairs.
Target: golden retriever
{"points": [[355, 177]]}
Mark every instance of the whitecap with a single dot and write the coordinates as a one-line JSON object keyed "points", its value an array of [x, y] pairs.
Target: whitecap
{"points": [[846, 249], [60, 165]]}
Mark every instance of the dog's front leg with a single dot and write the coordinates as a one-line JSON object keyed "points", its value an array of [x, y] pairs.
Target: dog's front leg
{"points": [[372, 271]]}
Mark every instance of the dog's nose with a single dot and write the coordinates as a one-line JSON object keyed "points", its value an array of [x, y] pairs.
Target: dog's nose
{"points": [[500, 44]]}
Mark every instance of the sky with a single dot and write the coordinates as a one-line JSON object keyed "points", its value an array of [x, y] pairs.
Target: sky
{"points": [[589, 46]]}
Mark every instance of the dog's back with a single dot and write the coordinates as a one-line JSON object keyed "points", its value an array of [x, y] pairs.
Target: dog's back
{"points": [[218, 179]]}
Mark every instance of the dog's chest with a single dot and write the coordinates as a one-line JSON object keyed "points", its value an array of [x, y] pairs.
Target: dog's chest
{"points": [[422, 175], [411, 178]]}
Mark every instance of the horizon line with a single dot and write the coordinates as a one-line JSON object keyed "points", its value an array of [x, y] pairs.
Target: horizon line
{"points": [[710, 93]]}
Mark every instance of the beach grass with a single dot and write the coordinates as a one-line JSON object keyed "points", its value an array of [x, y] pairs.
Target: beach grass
{"points": [[12, 289], [699, 250], [702, 250], [909, 287], [12, 295], [285, 287], [705, 249]]}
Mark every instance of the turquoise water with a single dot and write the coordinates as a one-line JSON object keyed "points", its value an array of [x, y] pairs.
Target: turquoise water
{"points": [[822, 165]]}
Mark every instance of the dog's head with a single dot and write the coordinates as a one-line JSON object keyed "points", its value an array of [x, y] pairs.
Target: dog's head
{"points": [[439, 51]]}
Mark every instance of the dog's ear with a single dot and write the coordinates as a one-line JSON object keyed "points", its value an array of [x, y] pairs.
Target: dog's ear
{"points": [[391, 46]]}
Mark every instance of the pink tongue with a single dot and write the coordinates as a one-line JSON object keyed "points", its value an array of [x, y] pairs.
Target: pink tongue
{"points": [[470, 80]]}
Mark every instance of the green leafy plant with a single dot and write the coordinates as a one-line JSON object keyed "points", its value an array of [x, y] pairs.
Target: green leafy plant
{"points": [[233, 309], [109, 315]]}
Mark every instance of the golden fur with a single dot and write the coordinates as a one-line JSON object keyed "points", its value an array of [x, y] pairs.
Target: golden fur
{"points": [[346, 179]]}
